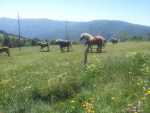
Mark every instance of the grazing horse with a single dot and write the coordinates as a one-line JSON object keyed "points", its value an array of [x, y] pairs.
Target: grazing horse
{"points": [[64, 43], [43, 45], [90, 40], [5, 49], [114, 41]]}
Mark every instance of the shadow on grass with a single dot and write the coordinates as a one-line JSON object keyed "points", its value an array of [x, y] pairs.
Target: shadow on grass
{"points": [[66, 51]]}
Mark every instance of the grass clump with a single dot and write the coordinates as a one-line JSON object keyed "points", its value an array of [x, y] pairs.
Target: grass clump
{"points": [[55, 89]]}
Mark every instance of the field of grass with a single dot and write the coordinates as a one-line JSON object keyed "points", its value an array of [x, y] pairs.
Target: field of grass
{"points": [[114, 81]]}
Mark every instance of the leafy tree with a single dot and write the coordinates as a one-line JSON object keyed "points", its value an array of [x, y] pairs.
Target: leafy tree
{"points": [[75, 42], [140, 38], [52, 42], [123, 37], [148, 37], [134, 38], [6, 41]]}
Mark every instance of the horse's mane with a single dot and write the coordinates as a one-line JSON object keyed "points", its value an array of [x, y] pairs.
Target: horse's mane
{"points": [[42, 42], [59, 40], [86, 36]]}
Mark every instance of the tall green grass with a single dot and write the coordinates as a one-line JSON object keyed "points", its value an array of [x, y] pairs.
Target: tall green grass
{"points": [[116, 80]]}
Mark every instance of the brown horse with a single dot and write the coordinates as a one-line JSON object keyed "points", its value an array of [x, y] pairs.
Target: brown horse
{"points": [[114, 41], [43, 45], [92, 46], [5, 49], [90, 40]]}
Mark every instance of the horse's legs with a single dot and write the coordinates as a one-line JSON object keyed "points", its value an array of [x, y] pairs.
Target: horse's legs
{"points": [[68, 48], [48, 48], [100, 50], [61, 49], [8, 53], [97, 48], [42, 48], [90, 48]]}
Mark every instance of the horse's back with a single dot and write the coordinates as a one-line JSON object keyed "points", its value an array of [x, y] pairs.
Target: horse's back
{"points": [[65, 43], [6, 49]]}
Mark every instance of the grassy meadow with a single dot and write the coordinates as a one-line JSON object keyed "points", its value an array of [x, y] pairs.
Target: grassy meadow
{"points": [[114, 81]]}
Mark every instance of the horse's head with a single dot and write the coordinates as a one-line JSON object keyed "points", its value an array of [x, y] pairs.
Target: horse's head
{"points": [[111, 39], [85, 36], [82, 37]]}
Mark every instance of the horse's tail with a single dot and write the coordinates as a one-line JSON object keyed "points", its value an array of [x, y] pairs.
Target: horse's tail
{"points": [[70, 44]]}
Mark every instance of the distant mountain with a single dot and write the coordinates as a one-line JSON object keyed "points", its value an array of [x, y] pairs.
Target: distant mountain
{"points": [[52, 29]]}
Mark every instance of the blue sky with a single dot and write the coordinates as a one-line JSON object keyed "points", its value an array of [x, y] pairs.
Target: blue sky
{"points": [[133, 11]]}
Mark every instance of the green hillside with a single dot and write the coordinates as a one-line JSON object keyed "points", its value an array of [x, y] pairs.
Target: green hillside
{"points": [[12, 40], [114, 81]]}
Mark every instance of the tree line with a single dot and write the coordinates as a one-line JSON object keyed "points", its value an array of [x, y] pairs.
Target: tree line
{"points": [[124, 37], [12, 40]]}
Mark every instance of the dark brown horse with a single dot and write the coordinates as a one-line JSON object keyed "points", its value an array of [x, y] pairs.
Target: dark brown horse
{"points": [[5, 49], [64, 43], [114, 41], [90, 40], [43, 45]]}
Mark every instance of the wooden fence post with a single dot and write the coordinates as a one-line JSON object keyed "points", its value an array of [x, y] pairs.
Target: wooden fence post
{"points": [[85, 57]]}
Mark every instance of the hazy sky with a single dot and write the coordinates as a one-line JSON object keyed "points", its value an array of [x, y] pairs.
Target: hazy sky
{"points": [[133, 11]]}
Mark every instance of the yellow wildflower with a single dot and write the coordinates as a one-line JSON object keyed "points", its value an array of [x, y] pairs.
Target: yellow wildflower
{"points": [[90, 111], [87, 104], [72, 101], [84, 103], [130, 72], [112, 98], [138, 84], [148, 93], [129, 105], [142, 99]]}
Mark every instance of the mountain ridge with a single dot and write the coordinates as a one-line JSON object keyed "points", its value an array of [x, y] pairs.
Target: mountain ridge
{"points": [[52, 29]]}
